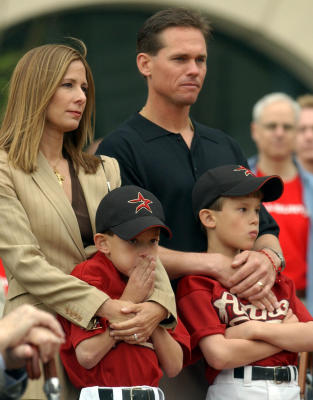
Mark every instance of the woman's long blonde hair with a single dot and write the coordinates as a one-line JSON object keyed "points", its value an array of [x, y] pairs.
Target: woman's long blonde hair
{"points": [[33, 83]]}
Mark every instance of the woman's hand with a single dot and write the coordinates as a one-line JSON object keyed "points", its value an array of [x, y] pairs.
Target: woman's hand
{"points": [[138, 329]]}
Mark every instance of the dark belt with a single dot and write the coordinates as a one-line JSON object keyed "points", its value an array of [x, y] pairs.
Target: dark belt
{"points": [[277, 374], [128, 394]]}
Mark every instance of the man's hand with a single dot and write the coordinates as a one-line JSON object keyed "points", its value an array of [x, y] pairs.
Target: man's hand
{"points": [[269, 302], [15, 357], [223, 270], [253, 268], [46, 341], [15, 326], [147, 317], [39, 338], [140, 284], [25, 329], [241, 275]]}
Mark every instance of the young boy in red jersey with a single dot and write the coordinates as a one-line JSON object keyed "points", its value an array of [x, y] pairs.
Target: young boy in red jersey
{"points": [[128, 224], [250, 353]]}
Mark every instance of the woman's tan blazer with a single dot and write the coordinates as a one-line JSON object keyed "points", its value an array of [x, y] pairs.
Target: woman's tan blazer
{"points": [[40, 241]]}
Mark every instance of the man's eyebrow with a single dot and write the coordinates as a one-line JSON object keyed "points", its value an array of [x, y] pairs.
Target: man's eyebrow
{"points": [[184, 54]]}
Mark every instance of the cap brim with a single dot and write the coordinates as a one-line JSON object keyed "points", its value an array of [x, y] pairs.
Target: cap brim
{"points": [[271, 186], [128, 230]]}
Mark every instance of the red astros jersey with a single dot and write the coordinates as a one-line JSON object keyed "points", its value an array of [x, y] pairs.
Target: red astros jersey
{"points": [[207, 308], [125, 364]]}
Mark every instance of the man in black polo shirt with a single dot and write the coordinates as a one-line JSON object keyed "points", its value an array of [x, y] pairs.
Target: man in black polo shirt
{"points": [[161, 149]]}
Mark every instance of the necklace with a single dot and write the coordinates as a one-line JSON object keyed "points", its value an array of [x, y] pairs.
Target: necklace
{"points": [[60, 177], [191, 125]]}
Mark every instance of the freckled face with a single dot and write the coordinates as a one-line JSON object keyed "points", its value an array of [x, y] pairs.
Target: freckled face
{"points": [[67, 105], [178, 70]]}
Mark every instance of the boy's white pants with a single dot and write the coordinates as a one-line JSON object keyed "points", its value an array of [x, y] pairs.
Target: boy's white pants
{"points": [[227, 387]]}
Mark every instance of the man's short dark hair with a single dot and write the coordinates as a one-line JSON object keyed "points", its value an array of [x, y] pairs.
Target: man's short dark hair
{"points": [[148, 40]]}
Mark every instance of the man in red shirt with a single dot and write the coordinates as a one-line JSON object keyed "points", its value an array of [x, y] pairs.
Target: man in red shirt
{"points": [[275, 117]]}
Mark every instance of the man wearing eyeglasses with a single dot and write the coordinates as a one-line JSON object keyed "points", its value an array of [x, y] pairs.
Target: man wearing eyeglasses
{"points": [[274, 122]]}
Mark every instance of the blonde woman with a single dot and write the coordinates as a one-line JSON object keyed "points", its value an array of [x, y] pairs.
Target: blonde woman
{"points": [[49, 192]]}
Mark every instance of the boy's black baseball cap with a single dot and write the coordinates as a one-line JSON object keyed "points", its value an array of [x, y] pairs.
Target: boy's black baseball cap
{"points": [[129, 210], [233, 181]]}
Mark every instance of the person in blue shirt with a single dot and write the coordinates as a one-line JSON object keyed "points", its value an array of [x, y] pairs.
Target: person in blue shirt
{"points": [[304, 159]]}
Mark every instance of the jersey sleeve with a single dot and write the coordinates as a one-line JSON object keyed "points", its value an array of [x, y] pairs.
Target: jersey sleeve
{"points": [[78, 334], [194, 303]]}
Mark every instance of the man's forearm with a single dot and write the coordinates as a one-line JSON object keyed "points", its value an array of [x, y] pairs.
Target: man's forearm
{"points": [[179, 263], [270, 244], [267, 241], [214, 265]]}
